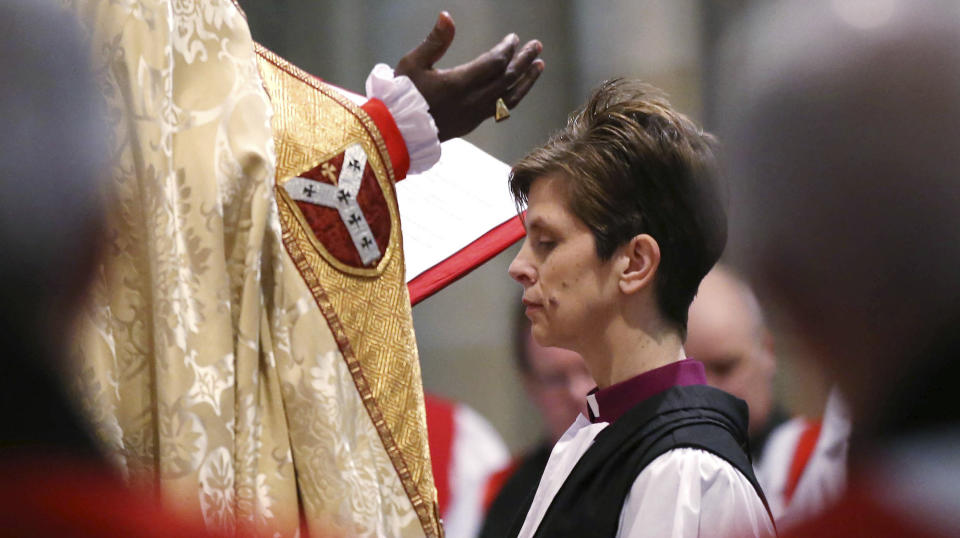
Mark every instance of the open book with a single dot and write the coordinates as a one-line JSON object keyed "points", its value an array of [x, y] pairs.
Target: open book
{"points": [[454, 217]]}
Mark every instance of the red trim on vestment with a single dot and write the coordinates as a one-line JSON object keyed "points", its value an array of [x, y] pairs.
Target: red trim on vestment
{"points": [[801, 456], [465, 260], [440, 432], [396, 146]]}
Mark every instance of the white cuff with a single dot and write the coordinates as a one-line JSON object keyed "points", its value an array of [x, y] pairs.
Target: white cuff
{"points": [[411, 114]]}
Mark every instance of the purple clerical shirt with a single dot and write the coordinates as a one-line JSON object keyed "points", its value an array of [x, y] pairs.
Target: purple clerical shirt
{"points": [[611, 403]]}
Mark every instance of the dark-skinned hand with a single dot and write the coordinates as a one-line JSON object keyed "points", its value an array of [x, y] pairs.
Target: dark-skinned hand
{"points": [[462, 97]]}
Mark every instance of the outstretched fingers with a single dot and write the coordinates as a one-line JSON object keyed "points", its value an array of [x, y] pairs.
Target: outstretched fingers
{"points": [[492, 79], [517, 79], [521, 62], [519, 89], [491, 64]]}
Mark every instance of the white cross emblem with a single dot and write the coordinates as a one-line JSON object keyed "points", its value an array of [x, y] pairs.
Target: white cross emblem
{"points": [[343, 198]]}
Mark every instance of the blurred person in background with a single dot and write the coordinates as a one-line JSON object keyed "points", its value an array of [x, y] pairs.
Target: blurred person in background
{"points": [[804, 468], [726, 332], [800, 461], [465, 451], [556, 381], [843, 123]]}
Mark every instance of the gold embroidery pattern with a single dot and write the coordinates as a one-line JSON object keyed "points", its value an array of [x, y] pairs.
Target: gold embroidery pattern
{"points": [[369, 317]]}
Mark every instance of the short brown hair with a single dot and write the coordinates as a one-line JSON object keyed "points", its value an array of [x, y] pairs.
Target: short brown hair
{"points": [[634, 165]]}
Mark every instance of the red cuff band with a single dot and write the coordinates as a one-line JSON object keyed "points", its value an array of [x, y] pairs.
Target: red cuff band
{"points": [[396, 146]]}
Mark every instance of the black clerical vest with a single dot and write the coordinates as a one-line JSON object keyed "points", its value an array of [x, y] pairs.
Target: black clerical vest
{"points": [[590, 500]]}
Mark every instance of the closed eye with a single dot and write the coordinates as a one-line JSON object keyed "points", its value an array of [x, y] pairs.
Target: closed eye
{"points": [[545, 244]]}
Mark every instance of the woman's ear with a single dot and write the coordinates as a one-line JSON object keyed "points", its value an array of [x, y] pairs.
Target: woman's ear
{"points": [[642, 255]]}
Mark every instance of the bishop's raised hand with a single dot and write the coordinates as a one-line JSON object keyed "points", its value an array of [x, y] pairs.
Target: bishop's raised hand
{"points": [[461, 97]]}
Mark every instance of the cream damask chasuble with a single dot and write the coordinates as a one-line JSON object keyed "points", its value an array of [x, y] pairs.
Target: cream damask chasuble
{"points": [[233, 351]]}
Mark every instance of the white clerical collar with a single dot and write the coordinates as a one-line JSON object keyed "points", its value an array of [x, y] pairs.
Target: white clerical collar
{"points": [[593, 405]]}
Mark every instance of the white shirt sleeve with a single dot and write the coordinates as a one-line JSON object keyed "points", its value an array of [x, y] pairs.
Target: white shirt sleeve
{"points": [[823, 480], [688, 492], [411, 114], [772, 469]]}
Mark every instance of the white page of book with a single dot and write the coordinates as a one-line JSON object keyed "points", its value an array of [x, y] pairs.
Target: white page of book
{"points": [[446, 208]]}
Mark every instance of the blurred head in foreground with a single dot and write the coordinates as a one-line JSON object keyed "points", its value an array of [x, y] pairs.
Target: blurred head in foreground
{"points": [[51, 161], [843, 124], [726, 332]]}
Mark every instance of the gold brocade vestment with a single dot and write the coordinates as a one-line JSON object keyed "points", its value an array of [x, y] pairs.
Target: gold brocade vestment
{"points": [[231, 356]]}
